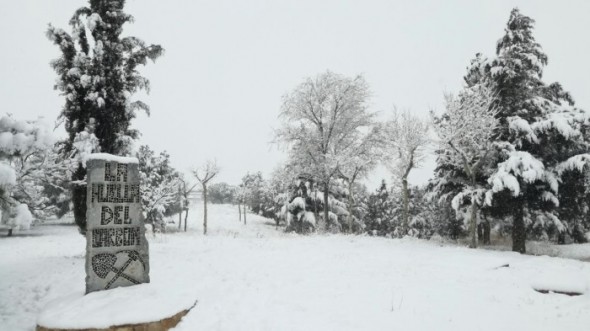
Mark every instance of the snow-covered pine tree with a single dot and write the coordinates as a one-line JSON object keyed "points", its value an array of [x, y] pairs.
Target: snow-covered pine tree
{"points": [[539, 129], [379, 212], [97, 74]]}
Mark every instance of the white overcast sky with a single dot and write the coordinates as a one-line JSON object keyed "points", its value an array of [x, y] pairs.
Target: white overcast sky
{"points": [[217, 90]]}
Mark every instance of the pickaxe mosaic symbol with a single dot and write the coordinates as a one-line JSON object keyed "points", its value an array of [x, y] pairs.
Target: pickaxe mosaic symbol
{"points": [[104, 263]]}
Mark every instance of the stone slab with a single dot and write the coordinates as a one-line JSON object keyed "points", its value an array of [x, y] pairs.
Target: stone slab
{"points": [[116, 246]]}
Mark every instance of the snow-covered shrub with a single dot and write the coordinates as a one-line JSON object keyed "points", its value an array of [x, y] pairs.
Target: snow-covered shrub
{"points": [[159, 185], [31, 174], [20, 218], [221, 193]]}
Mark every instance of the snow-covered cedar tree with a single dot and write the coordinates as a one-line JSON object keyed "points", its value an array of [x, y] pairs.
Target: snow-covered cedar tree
{"points": [[574, 198], [30, 175], [540, 135], [320, 119], [97, 75], [467, 129], [205, 175], [158, 185], [406, 138]]}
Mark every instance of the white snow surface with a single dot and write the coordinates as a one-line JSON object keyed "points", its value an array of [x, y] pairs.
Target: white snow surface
{"points": [[253, 277], [121, 306], [112, 158]]}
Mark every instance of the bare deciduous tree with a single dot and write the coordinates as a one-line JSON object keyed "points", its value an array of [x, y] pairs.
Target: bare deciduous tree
{"points": [[468, 127], [407, 138], [185, 188], [204, 175], [366, 151], [321, 118]]}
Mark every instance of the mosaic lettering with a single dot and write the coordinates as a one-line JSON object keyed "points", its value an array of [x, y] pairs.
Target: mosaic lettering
{"points": [[117, 251]]}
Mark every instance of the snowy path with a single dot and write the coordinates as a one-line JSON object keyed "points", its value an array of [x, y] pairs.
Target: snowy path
{"points": [[255, 278]]}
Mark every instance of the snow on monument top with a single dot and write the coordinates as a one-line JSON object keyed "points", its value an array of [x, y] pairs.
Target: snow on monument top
{"points": [[112, 158]]}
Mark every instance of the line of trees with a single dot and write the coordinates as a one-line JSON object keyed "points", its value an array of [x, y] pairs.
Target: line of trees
{"points": [[511, 152]]}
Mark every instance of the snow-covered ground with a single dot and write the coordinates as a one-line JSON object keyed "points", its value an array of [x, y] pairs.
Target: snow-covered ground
{"points": [[252, 277]]}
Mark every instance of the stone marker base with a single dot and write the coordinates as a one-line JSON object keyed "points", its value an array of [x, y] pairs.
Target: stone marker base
{"points": [[144, 307], [161, 325]]}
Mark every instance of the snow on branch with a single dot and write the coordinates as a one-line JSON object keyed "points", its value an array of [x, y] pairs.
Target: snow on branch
{"points": [[468, 127], [520, 165], [577, 162]]}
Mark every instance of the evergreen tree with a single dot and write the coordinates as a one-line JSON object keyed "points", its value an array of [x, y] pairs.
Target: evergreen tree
{"points": [[540, 143], [539, 129], [98, 73], [379, 212]]}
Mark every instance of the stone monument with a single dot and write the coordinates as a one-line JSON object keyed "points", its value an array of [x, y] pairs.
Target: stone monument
{"points": [[116, 247], [116, 255]]}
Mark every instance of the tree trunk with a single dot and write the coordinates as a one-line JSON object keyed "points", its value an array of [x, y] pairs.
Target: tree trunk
{"points": [[316, 215], [245, 212], [204, 209], [240, 212], [473, 223], [180, 207], [350, 207], [326, 208], [79, 199], [518, 228], [406, 201], [480, 232], [179, 219], [9, 232], [486, 232], [473, 218], [185, 218]]}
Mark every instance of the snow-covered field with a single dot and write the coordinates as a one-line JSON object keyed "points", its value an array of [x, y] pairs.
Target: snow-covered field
{"points": [[252, 277]]}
